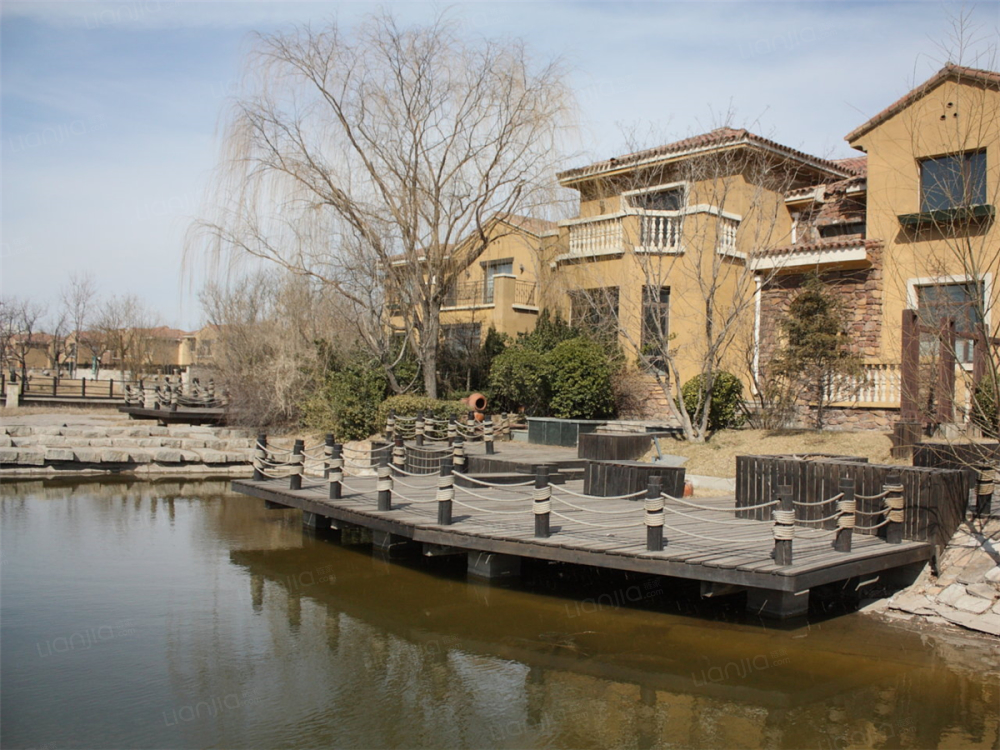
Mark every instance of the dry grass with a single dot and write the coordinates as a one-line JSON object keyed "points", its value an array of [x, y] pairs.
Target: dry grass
{"points": [[29, 411], [717, 457]]}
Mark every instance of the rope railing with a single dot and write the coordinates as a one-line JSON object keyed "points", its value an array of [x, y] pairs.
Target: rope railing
{"points": [[546, 499]]}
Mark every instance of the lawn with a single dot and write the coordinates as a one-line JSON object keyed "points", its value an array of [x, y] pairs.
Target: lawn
{"points": [[717, 457]]}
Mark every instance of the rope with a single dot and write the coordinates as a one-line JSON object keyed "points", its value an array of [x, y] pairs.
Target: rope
{"points": [[467, 491], [399, 481], [784, 527], [591, 510], [819, 520], [492, 484], [682, 501], [821, 502], [846, 519], [484, 510], [654, 511], [872, 528], [895, 503], [742, 522], [446, 488], [597, 525], [714, 538], [879, 496], [384, 481], [559, 488]]}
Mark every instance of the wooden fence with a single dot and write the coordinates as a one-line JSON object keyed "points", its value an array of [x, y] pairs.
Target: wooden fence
{"points": [[612, 478], [49, 387], [936, 499]]}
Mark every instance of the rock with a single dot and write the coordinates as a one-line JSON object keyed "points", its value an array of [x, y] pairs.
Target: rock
{"points": [[139, 456], [158, 431], [59, 454], [87, 455], [101, 442], [983, 623], [8, 455], [167, 456], [951, 594], [213, 457], [993, 574], [30, 457], [5, 441], [114, 456], [911, 601], [982, 590], [973, 604]]}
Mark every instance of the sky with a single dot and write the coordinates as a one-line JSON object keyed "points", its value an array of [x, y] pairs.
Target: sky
{"points": [[110, 112]]}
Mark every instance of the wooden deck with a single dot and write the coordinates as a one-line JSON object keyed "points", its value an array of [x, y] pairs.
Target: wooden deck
{"points": [[181, 415], [699, 544]]}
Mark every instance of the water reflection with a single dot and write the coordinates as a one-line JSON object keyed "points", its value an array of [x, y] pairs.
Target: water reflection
{"points": [[248, 632]]}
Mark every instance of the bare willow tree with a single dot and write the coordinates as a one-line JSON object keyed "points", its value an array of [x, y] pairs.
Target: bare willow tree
{"points": [[364, 159], [685, 291], [122, 330], [77, 299], [21, 320]]}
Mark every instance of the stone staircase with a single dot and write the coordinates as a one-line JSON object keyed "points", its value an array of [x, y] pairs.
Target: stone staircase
{"points": [[30, 449]]}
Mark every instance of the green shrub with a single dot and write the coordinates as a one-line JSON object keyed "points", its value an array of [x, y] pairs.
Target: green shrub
{"points": [[518, 378], [726, 409], [984, 409], [347, 402], [409, 406], [579, 378]]}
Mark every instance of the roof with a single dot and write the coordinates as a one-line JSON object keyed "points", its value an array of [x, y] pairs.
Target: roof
{"points": [[949, 72], [717, 138], [165, 332], [837, 243], [856, 164]]}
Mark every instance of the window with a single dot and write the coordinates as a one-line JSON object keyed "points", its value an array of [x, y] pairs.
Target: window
{"points": [[491, 269], [953, 181], [596, 312], [961, 302], [843, 230], [663, 200], [655, 322]]}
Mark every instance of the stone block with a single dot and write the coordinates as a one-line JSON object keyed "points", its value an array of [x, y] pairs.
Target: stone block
{"points": [[973, 604], [87, 455], [167, 456], [6, 441], [951, 594], [190, 457], [8, 455], [26, 441], [982, 590], [171, 442], [59, 454], [192, 445], [114, 456], [101, 442], [158, 431], [138, 456], [238, 458], [213, 457], [30, 457], [993, 574]]}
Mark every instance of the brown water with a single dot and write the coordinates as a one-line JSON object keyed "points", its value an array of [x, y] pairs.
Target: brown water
{"points": [[181, 615]]}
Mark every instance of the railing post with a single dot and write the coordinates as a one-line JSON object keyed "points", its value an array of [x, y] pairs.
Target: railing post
{"points": [[418, 429], [298, 464], [784, 526], [83, 388], [259, 457], [984, 489], [846, 506], [488, 435], [504, 426], [335, 475], [111, 387], [470, 425], [542, 504], [384, 482], [390, 425], [174, 396], [445, 492], [452, 430], [398, 454], [55, 386], [894, 503], [654, 515], [458, 453], [327, 454]]}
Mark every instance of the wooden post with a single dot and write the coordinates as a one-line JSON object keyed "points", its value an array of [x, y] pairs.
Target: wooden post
{"points": [[83, 387], [327, 454], [984, 489], [945, 412], [174, 396], [259, 456], [298, 464], [488, 436], [909, 368], [470, 425], [458, 454], [504, 426], [111, 387], [847, 506], [390, 425], [542, 502], [452, 431], [418, 429], [398, 454], [446, 492], [784, 526], [384, 482], [336, 473], [55, 386], [894, 502], [654, 515]]}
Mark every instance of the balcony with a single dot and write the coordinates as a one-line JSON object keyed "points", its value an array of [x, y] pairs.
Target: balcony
{"points": [[467, 294], [876, 384], [478, 294]]}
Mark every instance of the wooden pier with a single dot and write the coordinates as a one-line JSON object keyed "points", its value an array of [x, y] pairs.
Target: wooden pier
{"points": [[496, 524]]}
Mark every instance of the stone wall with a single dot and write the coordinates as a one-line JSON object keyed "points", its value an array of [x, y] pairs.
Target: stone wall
{"points": [[848, 418], [860, 290]]}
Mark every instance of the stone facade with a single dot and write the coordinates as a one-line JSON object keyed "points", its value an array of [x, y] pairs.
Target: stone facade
{"points": [[849, 418]]}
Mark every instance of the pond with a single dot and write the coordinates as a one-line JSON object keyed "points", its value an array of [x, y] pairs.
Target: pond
{"points": [[178, 614]]}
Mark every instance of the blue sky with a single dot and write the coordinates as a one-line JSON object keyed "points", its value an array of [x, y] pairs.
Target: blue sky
{"points": [[110, 111]]}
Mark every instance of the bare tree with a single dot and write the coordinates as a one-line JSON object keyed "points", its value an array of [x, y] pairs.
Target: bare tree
{"points": [[122, 328], [364, 160], [77, 299], [24, 319]]}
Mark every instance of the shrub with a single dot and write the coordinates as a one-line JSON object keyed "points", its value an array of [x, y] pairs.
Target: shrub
{"points": [[579, 377], [347, 403], [518, 378], [984, 410], [409, 406], [726, 409]]}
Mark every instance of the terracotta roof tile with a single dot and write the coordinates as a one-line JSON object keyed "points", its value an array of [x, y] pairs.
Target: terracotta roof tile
{"points": [[838, 243], [948, 72], [717, 137]]}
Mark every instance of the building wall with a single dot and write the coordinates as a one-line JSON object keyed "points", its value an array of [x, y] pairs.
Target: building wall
{"points": [[971, 120]]}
